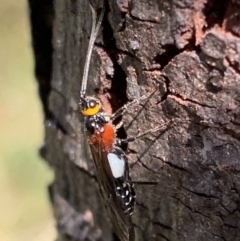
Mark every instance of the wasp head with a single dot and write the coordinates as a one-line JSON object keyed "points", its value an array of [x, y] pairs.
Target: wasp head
{"points": [[90, 106]]}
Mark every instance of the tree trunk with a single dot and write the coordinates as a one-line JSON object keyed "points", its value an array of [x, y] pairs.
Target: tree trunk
{"points": [[192, 50]]}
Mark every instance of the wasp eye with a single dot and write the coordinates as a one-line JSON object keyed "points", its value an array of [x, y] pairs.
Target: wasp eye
{"points": [[92, 103], [83, 105]]}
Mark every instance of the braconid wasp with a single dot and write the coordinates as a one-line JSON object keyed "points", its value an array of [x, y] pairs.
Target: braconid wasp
{"points": [[116, 186]]}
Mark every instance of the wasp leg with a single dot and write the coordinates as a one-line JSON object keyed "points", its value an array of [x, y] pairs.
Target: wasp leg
{"points": [[129, 180], [124, 108], [119, 125], [119, 142]]}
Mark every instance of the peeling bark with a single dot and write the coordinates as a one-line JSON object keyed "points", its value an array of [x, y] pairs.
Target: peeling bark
{"points": [[192, 49]]}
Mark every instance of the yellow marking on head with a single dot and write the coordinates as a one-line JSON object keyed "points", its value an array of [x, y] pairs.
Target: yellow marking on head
{"points": [[90, 111], [91, 107]]}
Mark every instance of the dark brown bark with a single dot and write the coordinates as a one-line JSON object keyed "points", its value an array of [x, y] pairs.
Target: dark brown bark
{"points": [[192, 49]]}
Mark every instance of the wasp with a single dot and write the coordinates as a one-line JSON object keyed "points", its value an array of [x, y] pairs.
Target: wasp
{"points": [[115, 183]]}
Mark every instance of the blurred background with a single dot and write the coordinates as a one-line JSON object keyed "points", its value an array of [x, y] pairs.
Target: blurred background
{"points": [[25, 212]]}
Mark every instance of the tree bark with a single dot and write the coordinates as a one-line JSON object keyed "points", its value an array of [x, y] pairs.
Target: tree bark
{"points": [[192, 50]]}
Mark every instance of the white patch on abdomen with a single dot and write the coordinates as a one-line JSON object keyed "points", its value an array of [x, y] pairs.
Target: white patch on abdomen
{"points": [[117, 165]]}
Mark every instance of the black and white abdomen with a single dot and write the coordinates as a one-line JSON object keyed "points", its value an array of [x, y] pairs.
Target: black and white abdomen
{"points": [[125, 190], [122, 181]]}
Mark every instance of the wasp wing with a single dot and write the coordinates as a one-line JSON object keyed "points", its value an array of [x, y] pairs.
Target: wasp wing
{"points": [[111, 189]]}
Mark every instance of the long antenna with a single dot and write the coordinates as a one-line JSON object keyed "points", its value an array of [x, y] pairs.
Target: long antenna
{"points": [[94, 33]]}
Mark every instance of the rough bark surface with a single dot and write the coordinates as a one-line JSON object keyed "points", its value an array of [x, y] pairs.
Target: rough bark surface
{"points": [[192, 49]]}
